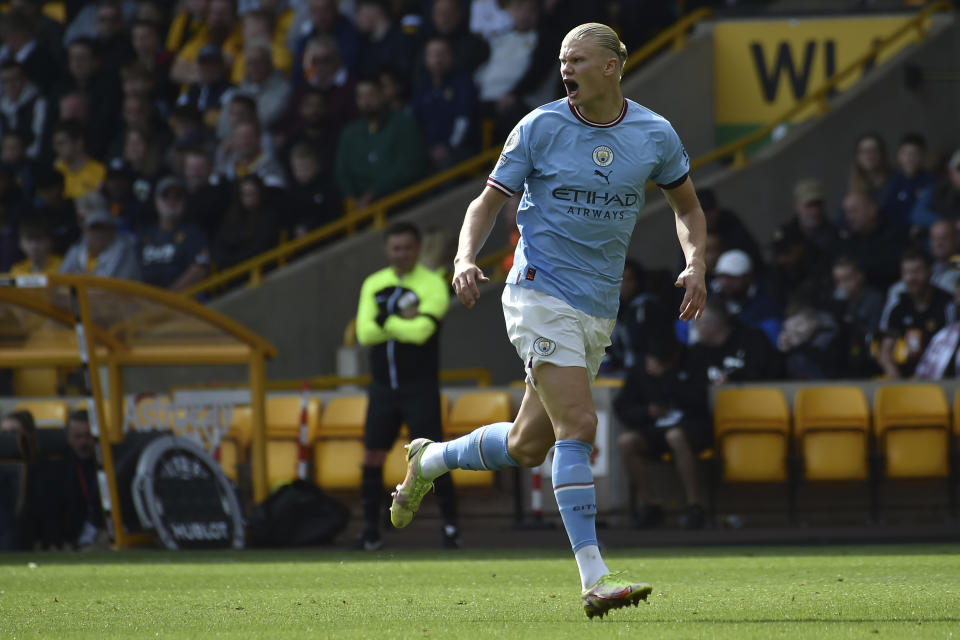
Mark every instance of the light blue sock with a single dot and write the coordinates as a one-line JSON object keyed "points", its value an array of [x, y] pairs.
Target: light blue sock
{"points": [[575, 493], [484, 449]]}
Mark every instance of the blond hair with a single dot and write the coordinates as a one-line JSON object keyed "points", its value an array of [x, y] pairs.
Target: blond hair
{"points": [[603, 36]]}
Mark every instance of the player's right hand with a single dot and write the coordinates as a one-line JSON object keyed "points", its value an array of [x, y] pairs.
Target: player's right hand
{"points": [[466, 278]]}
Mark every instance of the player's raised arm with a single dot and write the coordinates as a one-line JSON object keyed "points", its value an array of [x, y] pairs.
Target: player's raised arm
{"points": [[477, 224], [692, 233]]}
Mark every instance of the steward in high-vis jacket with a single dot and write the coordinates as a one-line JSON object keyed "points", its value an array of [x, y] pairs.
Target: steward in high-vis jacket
{"points": [[399, 316]]}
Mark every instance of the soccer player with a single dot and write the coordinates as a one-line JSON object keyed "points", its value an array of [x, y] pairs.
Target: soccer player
{"points": [[583, 163]]}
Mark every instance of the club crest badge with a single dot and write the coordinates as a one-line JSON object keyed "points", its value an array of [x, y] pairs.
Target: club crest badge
{"points": [[603, 156], [512, 141], [544, 346]]}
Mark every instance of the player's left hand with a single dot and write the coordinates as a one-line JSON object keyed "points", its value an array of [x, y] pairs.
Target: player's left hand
{"points": [[693, 279]]}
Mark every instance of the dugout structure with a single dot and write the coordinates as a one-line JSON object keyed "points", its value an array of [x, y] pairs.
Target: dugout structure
{"points": [[104, 326]]}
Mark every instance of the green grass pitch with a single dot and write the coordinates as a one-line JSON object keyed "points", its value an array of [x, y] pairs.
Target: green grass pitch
{"points": [[814, 592]]}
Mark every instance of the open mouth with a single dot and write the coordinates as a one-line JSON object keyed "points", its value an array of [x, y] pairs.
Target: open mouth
{"points": [[572, 88]]}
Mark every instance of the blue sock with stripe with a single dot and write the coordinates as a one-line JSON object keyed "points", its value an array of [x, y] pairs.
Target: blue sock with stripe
{"points": [[575, 493], [484, 449]]}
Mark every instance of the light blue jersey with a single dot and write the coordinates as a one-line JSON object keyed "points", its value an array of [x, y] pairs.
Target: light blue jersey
{"points": [[583, 187]]}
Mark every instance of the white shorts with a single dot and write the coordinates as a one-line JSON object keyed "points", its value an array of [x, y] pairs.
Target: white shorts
{"points": [[546, 329]]}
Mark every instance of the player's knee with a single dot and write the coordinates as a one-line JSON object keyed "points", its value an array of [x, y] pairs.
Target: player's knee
{"points": [[578, 424]]}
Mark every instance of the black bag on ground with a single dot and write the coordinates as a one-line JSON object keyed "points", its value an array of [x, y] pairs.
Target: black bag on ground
{"points": [[297, 514]]}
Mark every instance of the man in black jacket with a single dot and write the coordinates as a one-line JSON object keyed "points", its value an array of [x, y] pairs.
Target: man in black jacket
{"points": [[663, 405]]}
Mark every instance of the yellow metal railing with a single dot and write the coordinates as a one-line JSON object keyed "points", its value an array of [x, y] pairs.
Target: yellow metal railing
{"points": [[376, 213], [480, 376]]}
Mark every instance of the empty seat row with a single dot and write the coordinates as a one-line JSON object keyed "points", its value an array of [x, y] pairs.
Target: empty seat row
{"points": [[833, 434]]}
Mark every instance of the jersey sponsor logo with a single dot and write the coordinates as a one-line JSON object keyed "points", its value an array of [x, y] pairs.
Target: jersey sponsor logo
{"points": [[601, 198], [544, 346], [512, 140], [603, 156]]}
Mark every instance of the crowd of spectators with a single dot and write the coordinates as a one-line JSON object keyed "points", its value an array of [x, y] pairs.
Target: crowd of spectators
{"points": [[153, 140], [854, 289]]}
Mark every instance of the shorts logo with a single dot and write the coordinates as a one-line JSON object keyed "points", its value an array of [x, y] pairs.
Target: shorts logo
{"points": [[531, 274], [603, 156], [544, 346]]}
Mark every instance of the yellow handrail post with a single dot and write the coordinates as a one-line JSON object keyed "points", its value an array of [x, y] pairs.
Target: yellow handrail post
{"points": [[740, 158], [256, 277], [380, 218]]}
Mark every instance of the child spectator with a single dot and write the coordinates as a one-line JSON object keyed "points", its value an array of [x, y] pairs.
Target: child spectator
{"points": [[81, 173], [313, 199], [907, 182], [36, 244]]}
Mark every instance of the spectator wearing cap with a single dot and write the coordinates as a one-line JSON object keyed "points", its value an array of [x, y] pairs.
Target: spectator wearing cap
{"points": [[942, 200], [809, 218], [379, 152], [206, 94], [36, 244], [383, 41], [102, 251], [663, 407], [444, 104], [870, 240], [222, 30], [81, 173], [23, 109], [173, 253], [914, 317], [734, 284], [908, 180]]}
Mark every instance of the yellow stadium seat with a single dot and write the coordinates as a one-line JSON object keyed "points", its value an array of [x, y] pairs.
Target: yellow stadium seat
{"points": [[50, 414], [283, 435], [338, 462], [338, 445], [36, 381], [832, 426], [752, 428], [912, 425], [472, 410], [343, 416]]}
